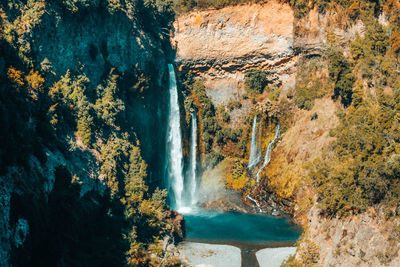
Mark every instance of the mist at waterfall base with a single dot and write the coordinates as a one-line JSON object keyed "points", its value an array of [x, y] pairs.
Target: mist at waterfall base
{"points": [[213, 226]]}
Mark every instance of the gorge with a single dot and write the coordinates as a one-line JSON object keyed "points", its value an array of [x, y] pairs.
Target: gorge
{"points": [[192, 133], [248, 231]]}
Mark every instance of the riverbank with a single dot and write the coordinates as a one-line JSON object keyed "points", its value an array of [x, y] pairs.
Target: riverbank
{"points": [[216, 255], [202, 254]]}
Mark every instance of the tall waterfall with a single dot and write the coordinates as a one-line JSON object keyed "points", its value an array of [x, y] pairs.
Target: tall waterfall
{"points": [[193, 161], [174, 143], [254, 155], [267, 157]]}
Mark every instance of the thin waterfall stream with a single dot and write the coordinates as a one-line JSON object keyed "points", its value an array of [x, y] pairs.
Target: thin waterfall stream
{"points": [[254, 153], [193, 162], [267, 157]]}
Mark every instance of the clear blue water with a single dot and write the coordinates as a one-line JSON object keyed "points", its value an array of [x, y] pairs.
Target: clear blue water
{"points": [[239, 228]]}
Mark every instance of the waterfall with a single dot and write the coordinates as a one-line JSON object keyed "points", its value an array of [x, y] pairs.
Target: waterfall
{"points": [[193, 161], [267, 157], [174, 143], [254, 155]]}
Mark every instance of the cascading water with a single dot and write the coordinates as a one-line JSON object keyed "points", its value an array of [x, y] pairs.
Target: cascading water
{"points": [[254, 155], [193, 162], [267, 157], [247, 229], [174, 143]]}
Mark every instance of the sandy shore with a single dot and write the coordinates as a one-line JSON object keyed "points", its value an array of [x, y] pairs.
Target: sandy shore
{"points": [[212, 255], [207, 255], [273, 257]]}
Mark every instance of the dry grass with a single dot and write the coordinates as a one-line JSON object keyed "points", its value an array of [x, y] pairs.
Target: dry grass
{"points": [[301, 144]]}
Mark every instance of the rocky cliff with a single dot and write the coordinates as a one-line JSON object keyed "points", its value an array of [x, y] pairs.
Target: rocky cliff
{"points": [[233, 39], [367, 239], [220, 45], [95, 43]]}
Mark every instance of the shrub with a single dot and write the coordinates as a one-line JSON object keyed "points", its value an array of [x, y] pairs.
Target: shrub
{"points": [[341, 74], [275, 93], [255, 80], [237, 179], [231, 134], [210, 125], [311, 83], [214, 158], [84, 127], [226, 117], [108, 106], [35, 80], [304, 103], [16, 76], [208, 141], [234, 104], [314, 116], [219, 138], [301, 7]]}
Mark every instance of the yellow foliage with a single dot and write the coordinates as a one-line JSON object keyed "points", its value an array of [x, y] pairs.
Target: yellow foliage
{"points": [[284, 181], [16, 76], [354, 10], [54, 90], [5, 26], [392, 9], [198, 19], [53, 107], [54, 116], [34, 80], [309, 253], [237, 183], [33, 95], [237, 178], [30, 16], [395, 42]]}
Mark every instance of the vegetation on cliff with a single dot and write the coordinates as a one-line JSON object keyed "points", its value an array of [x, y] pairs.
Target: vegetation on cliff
{"points": [[188, 5], [361, 168], [118, 220], [219, 143]]}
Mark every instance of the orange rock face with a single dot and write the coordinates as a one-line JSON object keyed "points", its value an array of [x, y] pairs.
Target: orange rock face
{"points": [[234, 32]]}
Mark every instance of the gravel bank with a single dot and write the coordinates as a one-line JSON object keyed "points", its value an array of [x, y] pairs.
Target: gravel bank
{"points": [[207, 255], [273, 257]]}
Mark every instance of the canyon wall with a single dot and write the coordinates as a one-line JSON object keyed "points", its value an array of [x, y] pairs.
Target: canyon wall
{"points": [[97, 42], [93, 43], [219, 46]]}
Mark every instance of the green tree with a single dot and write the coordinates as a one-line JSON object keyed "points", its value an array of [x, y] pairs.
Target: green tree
{"points": [[342, 76], [85, 127], [114, 155], [255, 80], [108, 106]]}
